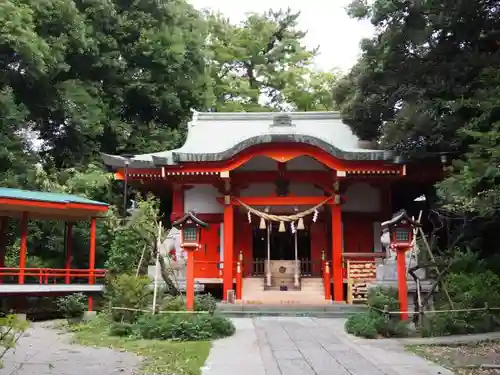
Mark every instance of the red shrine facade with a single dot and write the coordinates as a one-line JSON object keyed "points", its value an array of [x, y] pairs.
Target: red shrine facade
{"points": [[289, 199]]}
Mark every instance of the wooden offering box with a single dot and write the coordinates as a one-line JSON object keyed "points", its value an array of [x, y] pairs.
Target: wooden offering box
{"points": [[359, 274]]}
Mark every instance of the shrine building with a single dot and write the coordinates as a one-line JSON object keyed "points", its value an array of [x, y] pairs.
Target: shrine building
{"points": [[289, 198]]}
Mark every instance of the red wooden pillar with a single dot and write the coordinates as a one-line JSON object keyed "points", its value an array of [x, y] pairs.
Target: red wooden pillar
{"points": [[93, 224], [177, 202], [402, 285], [228, 249], [338, 280], [69, 251], [3, 242], [190, 279], [24, 247]]}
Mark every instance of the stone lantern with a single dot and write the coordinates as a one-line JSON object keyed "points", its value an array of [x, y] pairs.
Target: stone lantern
{"points": [[397, 234], [191, 228]]}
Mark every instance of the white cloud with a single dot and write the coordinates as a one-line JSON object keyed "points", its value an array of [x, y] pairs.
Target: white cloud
{"points": [[326, 21]]}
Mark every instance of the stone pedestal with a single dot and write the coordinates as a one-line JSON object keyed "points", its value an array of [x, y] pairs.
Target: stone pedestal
{"points": [[387, 277]]}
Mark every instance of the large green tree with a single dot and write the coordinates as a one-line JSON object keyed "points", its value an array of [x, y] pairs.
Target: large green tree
{"points": [[103, 75], [428, 81], [415, 85], [263, 64]]}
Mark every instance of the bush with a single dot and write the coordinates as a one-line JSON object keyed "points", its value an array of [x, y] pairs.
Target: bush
{"points": [[184, 327], [205, 302], [11, 330], [121, 329], [363, 325], [373, 323], [380, 297], [72, 306], [202, 302], [468, 291], [221, 326], [173, 303], [130, 292]]}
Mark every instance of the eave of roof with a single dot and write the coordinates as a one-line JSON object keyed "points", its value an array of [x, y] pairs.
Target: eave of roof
{"points": [[47, 197]]}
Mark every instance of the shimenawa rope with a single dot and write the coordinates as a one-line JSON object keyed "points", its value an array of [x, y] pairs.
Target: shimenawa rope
{"points": [[285, 218]]}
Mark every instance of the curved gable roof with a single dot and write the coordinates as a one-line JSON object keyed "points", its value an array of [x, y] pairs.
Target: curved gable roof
{"points": [[220, 136]]}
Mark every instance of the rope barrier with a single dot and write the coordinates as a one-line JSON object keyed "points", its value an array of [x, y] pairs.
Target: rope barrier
{"points": [[285, 218], [434, 311]]}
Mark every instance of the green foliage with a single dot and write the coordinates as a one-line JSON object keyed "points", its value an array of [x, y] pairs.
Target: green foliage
{"points": [[416, 86], [205, 302], [135, 237], [121, 329], [375, 323], [202, 302], [380, 297], [468, 290], [173, 303], [131, 292], [184, 327], [72, 305], [363, 325], [11, 330], [262, 64]]}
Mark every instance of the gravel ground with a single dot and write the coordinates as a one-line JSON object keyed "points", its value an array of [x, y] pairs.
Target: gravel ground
{"points": [[456, 356], [46, 351]]}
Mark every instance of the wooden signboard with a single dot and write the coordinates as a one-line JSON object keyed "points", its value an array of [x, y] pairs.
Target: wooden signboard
{"points": [[359, 274]]}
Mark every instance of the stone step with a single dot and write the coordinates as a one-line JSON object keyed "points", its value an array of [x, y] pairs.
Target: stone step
{"points": [[328, 309]]}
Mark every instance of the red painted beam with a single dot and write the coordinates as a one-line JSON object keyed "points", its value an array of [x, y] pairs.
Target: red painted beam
{"points": [[278, 201]]}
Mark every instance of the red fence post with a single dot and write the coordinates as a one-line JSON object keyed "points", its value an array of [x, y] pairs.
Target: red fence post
{"points": [[24, 247], [326, 281], [239, 281], [92, 260], [3, 242], [402, 285], [69, 251]]}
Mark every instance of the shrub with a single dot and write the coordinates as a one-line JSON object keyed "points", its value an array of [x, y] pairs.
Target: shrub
{"points": [[380, 297], [363, 325], [130, 292], [221, 326], [205, 302], [11, 330], [173, 303], [72, 306], [184, 327], [467, 291], [121, 329]]}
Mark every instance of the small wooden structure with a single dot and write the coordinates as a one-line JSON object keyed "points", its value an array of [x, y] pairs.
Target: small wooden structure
{"points": [[190, 227], [31, 205], [397, 233], [359, 274]]}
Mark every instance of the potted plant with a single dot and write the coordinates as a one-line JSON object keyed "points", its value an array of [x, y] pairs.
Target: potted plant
{"points": [[72, 307]]}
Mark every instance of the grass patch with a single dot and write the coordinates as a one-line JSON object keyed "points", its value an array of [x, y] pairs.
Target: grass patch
{"points": [[160, 357]]}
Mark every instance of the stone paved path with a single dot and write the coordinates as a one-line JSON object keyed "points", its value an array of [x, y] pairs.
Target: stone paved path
{"points": [[45, 351], [309, 346]]}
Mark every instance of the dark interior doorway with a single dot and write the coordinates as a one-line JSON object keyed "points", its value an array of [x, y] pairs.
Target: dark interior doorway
{"points": [[282, 244]]}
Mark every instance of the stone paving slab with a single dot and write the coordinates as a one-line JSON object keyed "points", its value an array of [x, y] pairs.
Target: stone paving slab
{"points": [[45, 351], [309, 346]]}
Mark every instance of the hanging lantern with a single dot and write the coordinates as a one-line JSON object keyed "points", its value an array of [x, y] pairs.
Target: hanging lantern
{"points": [[315, 216], [262, 224], [282, 227], [337, 199], [292, 227], [300, 225], [249, 217]]}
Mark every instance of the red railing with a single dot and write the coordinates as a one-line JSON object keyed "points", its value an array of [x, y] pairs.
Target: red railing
{"points": [[51, 275]]}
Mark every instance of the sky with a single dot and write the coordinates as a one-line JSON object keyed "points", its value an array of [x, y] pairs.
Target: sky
{"points": [[327, 24]]}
